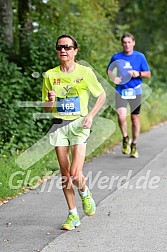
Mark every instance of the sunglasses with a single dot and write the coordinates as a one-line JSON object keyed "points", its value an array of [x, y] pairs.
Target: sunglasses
{"points": [[66, 47]]}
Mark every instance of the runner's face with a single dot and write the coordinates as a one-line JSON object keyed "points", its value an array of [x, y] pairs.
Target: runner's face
{"points": [[66, 55], [128, 45]]}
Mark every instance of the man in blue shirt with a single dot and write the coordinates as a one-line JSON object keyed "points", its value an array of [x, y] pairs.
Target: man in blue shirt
{"points": [[131, 66]]}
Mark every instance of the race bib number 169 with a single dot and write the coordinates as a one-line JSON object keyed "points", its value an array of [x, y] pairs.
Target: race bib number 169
{"points": [[68, 106]]}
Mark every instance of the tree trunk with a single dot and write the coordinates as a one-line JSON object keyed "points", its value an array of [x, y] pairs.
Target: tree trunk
{"points": [[25, 25], [6, 16]]}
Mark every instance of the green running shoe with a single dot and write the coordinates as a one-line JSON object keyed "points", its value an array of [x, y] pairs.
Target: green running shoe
{"points": [[126, 145], [71, 223], [134, 153], [88, 204]]}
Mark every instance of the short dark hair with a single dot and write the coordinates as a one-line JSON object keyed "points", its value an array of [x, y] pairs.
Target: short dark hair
{"points": [[127, 35], [75, 43]]}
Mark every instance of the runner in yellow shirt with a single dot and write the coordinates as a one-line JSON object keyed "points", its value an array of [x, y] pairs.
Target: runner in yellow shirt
{"points": [[65, 93]]}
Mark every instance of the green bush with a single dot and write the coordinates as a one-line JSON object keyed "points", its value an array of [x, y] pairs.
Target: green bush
{"points": [[18, 129]]}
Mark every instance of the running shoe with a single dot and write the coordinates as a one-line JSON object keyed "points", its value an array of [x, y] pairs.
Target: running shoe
{"points": [[126, 145], [88, 204], [71, 223], [134, 153]]}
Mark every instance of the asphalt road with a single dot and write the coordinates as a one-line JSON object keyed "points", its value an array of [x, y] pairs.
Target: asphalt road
{"points": [[131, 206]]}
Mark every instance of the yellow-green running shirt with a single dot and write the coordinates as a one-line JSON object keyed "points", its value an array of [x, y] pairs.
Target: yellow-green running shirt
{"points": [[72, 91]]}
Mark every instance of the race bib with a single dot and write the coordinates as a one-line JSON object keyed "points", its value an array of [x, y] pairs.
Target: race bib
{"points": [[68, 106], [128, 93]]}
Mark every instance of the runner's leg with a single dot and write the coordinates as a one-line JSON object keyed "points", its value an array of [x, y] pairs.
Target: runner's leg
{"points": [[122, 120], [135, 119], [121, 107], [78, 157], [64, 162]]}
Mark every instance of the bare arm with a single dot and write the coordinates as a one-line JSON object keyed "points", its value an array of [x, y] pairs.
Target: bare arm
{"points": [[113, 78], [99, 103], [49, 105], [142, 74], [145, 74]]}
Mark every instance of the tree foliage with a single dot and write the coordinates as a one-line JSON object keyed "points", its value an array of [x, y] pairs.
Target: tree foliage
{"points": [[29, 31], [148, 23]]}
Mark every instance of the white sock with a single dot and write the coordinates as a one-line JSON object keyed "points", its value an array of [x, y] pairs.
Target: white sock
{"points": [[85, 193], [73, 211]]}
